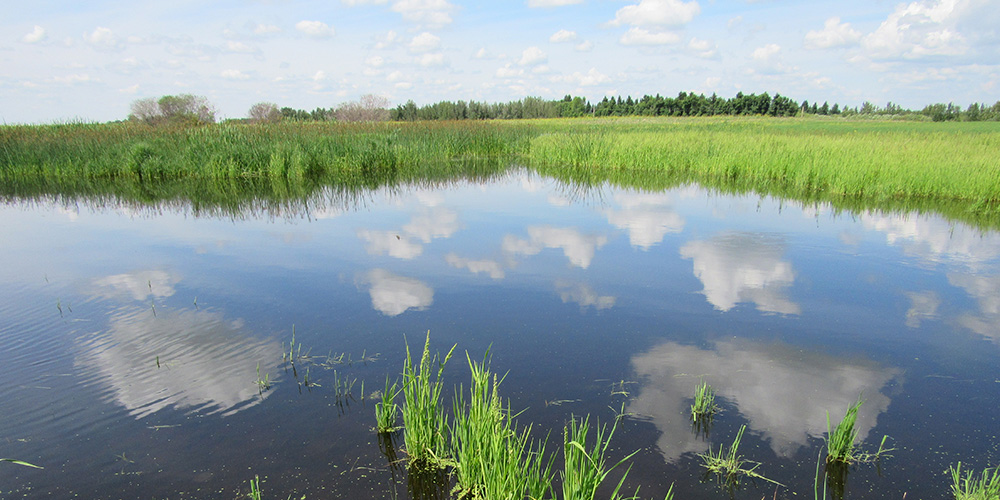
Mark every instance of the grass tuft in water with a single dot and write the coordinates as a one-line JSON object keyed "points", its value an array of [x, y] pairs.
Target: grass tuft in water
{"points": [[493, 458], [970, 487], [730, 466], [263, 383], [586, 464], [386, 409], [704, 402], [840, 446], [424, 424]]}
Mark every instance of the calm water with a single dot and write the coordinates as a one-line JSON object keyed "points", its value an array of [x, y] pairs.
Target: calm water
{"points": [[130, 337]]}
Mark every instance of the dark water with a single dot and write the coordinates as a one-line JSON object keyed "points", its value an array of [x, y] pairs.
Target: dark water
{"points": [[130, 337]]}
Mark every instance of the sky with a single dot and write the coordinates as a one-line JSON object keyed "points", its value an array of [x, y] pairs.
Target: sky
{"points": [[88, 61]]}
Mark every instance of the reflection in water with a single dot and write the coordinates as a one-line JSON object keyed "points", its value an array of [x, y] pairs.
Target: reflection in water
{"points": [[783, 392], [490, 267], [986, 291], [434, 223], [923, 306], [577, 247], [646, 216], [583, 294], [743, 267], [138, 285], [389, 243], [205, 362], [392, 295]]}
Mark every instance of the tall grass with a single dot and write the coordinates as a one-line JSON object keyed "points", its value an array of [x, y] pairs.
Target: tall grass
{"points": [[586, 460], [970, 487], [424, 423], [493, 458], [386, 409], [840, 447]]}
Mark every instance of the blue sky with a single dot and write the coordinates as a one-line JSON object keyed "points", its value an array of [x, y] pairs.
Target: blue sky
{"points": [[68, 60]]}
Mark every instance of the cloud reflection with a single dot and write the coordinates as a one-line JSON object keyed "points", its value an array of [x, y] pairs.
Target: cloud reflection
{"points": [[138, 285], [923, 306], [783, 392], [583, 294], [646, 216], [743, 267], [490, 267], [393, 295], [389, 243], [206, 363], [577, 247]]}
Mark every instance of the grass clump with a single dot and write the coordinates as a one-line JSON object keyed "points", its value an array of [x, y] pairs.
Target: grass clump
{"points": [[730, 466], [424, 423], [386, 409], [704, 402], [586, 464], [970, 487], [493, 458], [840, 446]]}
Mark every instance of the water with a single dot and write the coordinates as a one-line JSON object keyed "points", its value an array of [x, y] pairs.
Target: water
{"points": [[130, 336]]}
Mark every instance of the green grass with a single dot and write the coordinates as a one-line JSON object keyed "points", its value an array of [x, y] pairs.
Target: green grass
{"points": [[970, 487], [730, 466], [704, 402], [386, 409], [19, 462], [424, 423], [586, 464], [840, 447]]}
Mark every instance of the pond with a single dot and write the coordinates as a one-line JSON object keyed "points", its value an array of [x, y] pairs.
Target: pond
{"points": [[133, 338]]}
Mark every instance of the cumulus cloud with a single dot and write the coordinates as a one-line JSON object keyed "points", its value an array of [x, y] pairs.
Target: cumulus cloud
{"points": [[705, 49], [640, 36], [552, 3], [920, 29], [509, 71], [431, 60], [532, 56], [833, 34], [578, 248], [387, 40], [317, 29], [429, 13], [101, 37], [743, 267], [393, 295], [589, 79], [766, 53], [425, 42], [657, 13], [36, 35], [234, 74], [583, 46], [266, 29], [563, 36]]}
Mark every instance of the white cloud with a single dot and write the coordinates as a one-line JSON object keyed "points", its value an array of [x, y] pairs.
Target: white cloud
{"points": [[705, 49], [424, 42], [583, 294], [552, 3], [766, 52], [640, 36], [589, 79], [532, 56], [387, 40], [389, 243], [435, 223], [319, 76], [743, 267], [563, 36], [36, 35], [429, 13], [240, 47], [393, 295], [266, 29], [657, 13], [491, 267], [584, 46], [352, 3], [234, 74], [375, 61], [101, 37], [833, 34], [431, 60], [314, 28], [508, 71], [646, 216], [919, 29]]}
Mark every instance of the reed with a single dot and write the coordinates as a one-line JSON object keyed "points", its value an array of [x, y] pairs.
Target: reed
{"points": [[493, 458], [730, 466], [840, 447], [969, 487], [386, 409], [255, 493], [263, 383], [704, 402], [424, 423], [586, 463]]}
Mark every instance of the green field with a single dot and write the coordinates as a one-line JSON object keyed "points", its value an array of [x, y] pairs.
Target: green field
{"points": [[950, 168]]}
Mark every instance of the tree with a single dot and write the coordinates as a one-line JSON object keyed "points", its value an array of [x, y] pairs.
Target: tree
{"points": [[264, 112], [183, 109], [145, 110], [370, 108]]}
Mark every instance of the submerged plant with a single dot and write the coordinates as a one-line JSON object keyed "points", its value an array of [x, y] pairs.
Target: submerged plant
{"points": [[729, 465], [263, 383], [969, 487], [19, 462], [704, 402], [424, 425], [586, 464]]}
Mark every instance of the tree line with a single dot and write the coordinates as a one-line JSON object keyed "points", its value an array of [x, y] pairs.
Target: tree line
{"points": [[191, 109]]}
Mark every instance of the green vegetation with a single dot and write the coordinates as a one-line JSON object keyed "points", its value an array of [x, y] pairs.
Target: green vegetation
{"points": [[424, 423], [730, 466], [969, 487], [840, 446], [19, 462], [586, 465], [704, 402], [386, 409]]}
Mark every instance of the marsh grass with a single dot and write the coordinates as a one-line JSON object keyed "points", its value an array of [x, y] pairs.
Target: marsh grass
{"points": [[263, 383], [255, 493], [424, 424], [494, 459], [840, 447], [729, 466], [970, 487], [704, 402], [386, 409], [586, 464]]}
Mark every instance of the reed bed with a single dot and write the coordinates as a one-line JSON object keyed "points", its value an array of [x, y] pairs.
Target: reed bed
{"points": [[425, 427], [969, 487]]}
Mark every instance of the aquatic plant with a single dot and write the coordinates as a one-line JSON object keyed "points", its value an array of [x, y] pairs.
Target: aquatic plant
{"points": [[840, 447], [493, 458], [19, 462], [255, 493], [586, 464], [969, 487], [730, 466], [386, 408], [263, 383], [704, 402], [424, 424]]}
